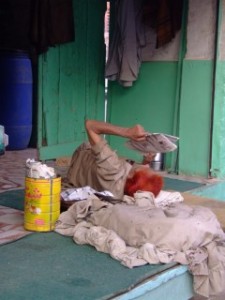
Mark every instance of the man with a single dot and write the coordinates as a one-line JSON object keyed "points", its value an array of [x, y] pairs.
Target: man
{"points": [[96, 165]]}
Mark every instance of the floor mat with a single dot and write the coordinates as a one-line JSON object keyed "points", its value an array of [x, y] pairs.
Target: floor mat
{"points": [[180, 185], [11, 225], [13, 199], [51, 266]]}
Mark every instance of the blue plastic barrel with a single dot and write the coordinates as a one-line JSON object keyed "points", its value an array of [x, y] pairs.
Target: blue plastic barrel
{"points": [[16, 97]]}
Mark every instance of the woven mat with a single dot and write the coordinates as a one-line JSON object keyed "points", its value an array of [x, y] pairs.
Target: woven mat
{"points": [[218, 207], [11, 225]]}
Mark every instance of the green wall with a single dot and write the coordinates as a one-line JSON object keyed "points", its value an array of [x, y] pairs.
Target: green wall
{"points": [[195, 117], [150, 102]]}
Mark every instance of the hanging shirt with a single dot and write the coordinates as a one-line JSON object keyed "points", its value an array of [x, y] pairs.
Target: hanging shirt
{"points": [[124, 51], [51, 23]]}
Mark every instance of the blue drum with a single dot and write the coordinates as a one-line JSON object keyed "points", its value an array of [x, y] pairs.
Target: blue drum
{"points": [[16, 85]]}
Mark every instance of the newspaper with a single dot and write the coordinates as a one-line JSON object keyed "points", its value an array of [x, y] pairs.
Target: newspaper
{"points": [[154, 143], [82, 193]]}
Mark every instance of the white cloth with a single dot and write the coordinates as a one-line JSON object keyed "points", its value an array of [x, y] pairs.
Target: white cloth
{"points": [[136, 235], [36, 169], [165, 198]]}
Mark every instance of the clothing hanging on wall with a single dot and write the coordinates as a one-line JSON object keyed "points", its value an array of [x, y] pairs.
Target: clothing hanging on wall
{"points": [[35, 25], [132, 16], [164, 16], [124, 50], [52, 23]]}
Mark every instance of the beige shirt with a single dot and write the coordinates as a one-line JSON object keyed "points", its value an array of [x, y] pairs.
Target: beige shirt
{"points": [[99, 167]]}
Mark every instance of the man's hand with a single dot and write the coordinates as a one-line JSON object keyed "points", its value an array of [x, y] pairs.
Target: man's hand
{"points": [[137, 133], [148, 158]]}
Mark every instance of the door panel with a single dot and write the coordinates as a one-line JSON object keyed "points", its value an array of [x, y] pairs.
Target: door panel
{"points": [[71, 83]]}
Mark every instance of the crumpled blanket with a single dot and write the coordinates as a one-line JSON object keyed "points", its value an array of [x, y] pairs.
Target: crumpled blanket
{"points": [[137, 232]]}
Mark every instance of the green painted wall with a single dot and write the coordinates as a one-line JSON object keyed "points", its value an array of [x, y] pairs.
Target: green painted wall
{"points": [[195, 117], [150, 102]]}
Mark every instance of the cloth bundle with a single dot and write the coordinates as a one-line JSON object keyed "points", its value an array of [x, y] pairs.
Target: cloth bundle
{"points": [[137, 232]]}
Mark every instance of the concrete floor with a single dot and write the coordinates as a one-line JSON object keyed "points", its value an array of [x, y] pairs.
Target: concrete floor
{"points": [[13, 168]]}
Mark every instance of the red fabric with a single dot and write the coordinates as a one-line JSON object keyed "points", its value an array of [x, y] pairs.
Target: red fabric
{"points": [[143, 180]]}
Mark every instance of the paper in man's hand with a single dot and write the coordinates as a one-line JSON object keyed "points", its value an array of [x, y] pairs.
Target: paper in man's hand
{"points": [[154, 143]]}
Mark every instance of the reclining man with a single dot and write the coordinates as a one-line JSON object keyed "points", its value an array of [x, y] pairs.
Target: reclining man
{"points": [[96, 165]]}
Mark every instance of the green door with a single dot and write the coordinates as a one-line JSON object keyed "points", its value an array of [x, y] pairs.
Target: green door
{"points": [[71, 83]]}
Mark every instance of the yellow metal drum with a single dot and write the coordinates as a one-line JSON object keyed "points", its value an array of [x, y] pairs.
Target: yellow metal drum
{"points": [[42, 203]]}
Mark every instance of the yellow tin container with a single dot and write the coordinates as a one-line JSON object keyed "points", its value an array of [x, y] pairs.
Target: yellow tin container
{"points": [[42, 203]]}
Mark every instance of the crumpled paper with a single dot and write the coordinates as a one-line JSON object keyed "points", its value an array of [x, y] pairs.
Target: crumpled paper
{"points": [[36, 169], [82, 193]]}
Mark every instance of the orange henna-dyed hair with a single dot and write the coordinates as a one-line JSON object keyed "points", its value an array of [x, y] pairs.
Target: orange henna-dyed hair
{"points": [[143, 180]]}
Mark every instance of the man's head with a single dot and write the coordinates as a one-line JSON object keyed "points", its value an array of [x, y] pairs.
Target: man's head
{"points": [[143, 179]]}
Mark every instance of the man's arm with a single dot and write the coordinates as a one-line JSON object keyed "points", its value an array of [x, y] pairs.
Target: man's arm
{"points": [[96, 128]]}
